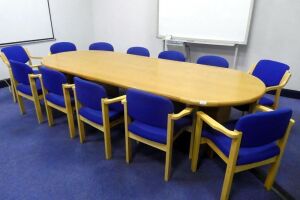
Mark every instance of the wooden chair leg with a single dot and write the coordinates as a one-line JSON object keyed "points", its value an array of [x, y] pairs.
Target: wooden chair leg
{"points": [[38, 110], [106, 127], [13, 87], [191, 145], [81, 130], [168, 163], [21, 104], [14, 93], [71, 122], [107, 143], [128, 149], [196, 145], [272, 174], [227, 182], [49, 114]]}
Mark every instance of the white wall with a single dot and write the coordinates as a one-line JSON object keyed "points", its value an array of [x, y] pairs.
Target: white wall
{"points": [[71, 22], [275, 32], [127, 23]]}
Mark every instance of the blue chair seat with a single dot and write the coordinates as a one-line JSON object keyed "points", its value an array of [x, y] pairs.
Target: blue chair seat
{"points": [[58, 99], [96, 115], [246, 154], [27, 90], [266, 101], [154, 133]]}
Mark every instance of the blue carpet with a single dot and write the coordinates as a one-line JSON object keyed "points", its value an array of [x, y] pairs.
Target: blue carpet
{"points": [[39, 162]]}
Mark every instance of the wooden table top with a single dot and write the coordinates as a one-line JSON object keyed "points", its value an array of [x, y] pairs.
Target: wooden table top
{"points": [[188, 83]]}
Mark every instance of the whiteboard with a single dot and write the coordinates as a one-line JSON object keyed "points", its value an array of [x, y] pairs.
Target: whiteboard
{"points": [[25, 21], [205, 21]]}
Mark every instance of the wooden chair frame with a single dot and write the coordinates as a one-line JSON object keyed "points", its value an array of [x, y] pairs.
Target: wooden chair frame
{"points": [[35, 97], [167, 148], [236, 137], [68, 109], [277, 88], [6, 62], [107, 125]]}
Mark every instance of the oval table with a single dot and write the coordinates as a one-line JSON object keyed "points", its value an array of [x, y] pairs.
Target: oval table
{"points": [[188, 83]]}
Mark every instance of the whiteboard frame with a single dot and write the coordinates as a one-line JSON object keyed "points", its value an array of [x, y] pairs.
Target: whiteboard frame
{"points": [[35, 40], [207, 41]]}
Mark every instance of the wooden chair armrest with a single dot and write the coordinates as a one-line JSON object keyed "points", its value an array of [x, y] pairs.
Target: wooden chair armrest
{"points": [[217, 126], [271, 88], [35, 66], [68, 86], [124, 101], [262, 108], [114, 100], [251, 69], [182, 113], [36, 57], [34, 76]]}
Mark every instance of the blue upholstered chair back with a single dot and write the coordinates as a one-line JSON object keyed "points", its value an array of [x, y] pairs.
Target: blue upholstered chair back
{"points": [[101, 46], [53, 80], [148, 108], [89, 94], [20, 72], [263, 128], [172, 55], [60, 47], [213, 61], [270, 72], [16, 53], [139, 51]]}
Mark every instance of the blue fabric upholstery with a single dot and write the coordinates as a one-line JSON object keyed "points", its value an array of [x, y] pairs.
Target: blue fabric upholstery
{"points": [[16, 53], [101, 46], [246, 155], [154, 133], [58, 99], [96, 115], [149, 114], [139, 51], [148, 108], [53, 80], [213, 61], [260, 131], [172, 55], [265, 101], [60, 47], [27, 90], [89, 94], [263, 128], [270, 72], [20, 72]]}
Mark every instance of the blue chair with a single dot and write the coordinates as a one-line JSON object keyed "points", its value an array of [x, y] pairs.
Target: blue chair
{"points": [[61, 47], [27, 86], [213, 61], [254, 140], [275, 76], [150, 119], [19, 54], [101, 46], [172, 55], [139, 51], [57, 95], [94, 108]]}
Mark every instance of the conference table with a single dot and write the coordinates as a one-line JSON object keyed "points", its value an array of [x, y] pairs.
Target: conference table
{"points": [[192, 84]]}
